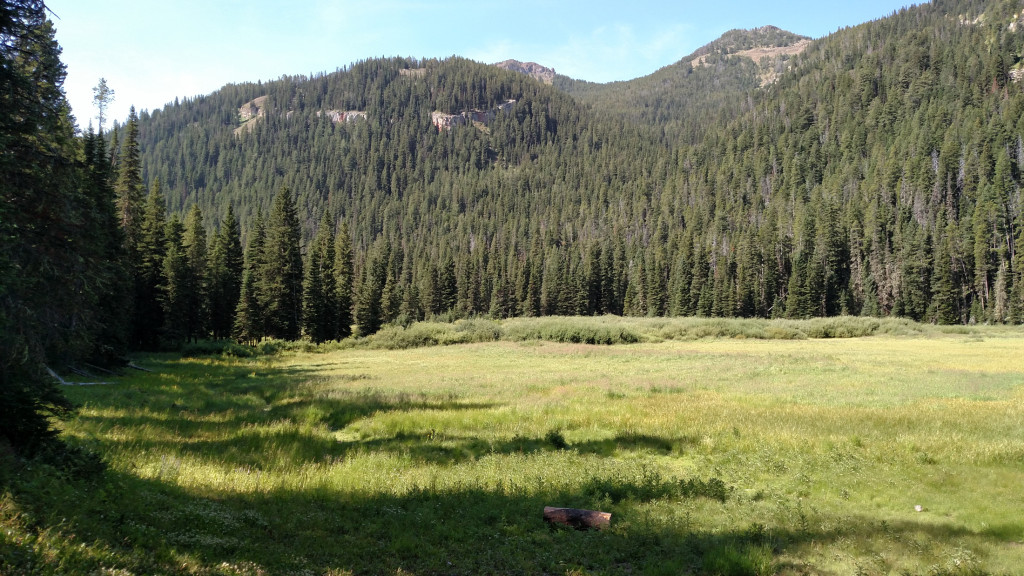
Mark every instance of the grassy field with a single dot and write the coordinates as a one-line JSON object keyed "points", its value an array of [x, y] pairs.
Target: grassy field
{"points": [[719, 447]]}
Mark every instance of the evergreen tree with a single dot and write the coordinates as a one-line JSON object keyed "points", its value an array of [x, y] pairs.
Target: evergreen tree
{"points": [[147, 317], [249, 324], [129, 187], [320, 295], [227, 262], [943, 295], [47, 291], [176, 287], [112, 319], [280, 289], [343, 281], [369, 318], [194, 244]]}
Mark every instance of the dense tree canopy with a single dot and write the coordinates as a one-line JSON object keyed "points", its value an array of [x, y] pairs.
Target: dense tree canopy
{"points": [[878, 174], [876, 171], [59, 244]]}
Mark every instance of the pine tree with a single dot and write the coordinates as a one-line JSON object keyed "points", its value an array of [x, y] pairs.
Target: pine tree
{"points": [[249, 317], [112, 319], [227, 263], [943, 295], [320, 295], [194, 245], [148, 315], [343, 281], [1016, 306], [176, 285], [368, 303], [446, 291], [129, 187], [280, 289], [48, 290]]}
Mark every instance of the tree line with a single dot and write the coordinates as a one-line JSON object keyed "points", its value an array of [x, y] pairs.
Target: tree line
{"points": [[189, 284], [880, 175]]}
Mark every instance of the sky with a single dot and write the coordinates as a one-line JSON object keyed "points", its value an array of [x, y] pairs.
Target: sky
{"points": [[151, 52]]}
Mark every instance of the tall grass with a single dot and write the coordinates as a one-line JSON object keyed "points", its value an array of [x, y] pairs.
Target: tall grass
{"points": [[719, 447]]}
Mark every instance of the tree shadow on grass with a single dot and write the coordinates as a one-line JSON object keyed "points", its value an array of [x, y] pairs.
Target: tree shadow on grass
{"points": [[119, 521], [434, 447], [242, 414], [156, 526]]}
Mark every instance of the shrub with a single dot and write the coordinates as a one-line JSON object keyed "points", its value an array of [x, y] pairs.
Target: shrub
{"points": [[205, 348], [570, 331]]}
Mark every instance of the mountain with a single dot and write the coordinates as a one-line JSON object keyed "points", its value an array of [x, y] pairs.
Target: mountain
{"points": [[875, 171], [541, 73], [700, 91]]}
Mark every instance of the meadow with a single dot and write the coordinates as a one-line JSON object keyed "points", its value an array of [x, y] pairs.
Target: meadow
{"points": [[843, 446]]}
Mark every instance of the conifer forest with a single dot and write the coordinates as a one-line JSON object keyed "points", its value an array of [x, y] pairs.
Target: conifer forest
{"points": [[875, 172], [758, 312]]}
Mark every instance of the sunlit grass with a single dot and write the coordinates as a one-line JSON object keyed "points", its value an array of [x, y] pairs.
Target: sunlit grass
{"points": [[430, 460]]}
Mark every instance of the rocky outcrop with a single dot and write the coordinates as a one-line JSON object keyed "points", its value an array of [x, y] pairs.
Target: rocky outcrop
{"points": [[443, 121], [340, 116], [769, 47], [414, 72], [253, 108], [542, 73], [250, 113]]}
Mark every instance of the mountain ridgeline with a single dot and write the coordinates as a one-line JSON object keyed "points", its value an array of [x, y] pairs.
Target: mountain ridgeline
{"points": [[876, 171]]}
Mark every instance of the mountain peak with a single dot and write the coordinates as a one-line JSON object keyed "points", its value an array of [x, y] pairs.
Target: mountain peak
{"points": [[768, 46], [542, 73]]}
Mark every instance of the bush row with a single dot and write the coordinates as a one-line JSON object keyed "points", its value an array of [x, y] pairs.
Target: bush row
{"points": [[599, 330]]}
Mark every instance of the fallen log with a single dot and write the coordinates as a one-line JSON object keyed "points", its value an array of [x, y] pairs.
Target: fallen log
{"points": [[55, 376], [80, 372], [577, 518], [64, 382], [100, 369], [134, 366]]}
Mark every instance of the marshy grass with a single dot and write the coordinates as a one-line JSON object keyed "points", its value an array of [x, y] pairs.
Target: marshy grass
{"points": [[719, 447]]}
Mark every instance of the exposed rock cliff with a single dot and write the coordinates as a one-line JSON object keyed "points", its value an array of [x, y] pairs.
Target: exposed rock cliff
{"points": [[253, 108], [339, 116], [542, 73], [443, 121]]}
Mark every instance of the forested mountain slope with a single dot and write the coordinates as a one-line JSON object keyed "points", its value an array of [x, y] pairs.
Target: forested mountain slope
{"points": [[700, 91], [879, 173]]}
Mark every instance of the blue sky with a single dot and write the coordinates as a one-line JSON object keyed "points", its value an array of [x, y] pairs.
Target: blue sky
{"points": [[153, 51]]}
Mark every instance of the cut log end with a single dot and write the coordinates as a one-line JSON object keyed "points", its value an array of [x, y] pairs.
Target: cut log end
{"points": [[577, 518]]}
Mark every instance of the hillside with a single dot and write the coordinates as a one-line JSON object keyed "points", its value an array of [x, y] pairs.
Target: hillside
{"points": [[700, 91], [878, 174]]}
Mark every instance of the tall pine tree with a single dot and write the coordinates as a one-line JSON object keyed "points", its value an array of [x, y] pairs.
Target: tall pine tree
{"points": [[196, 258], [320, 294], [249, 323], [226, 265], [48, 289], [148, 313], [280, 292], [343, 281]]}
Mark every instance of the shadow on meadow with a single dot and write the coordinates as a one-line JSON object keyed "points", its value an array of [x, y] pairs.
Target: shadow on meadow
{"points": [[442, 448], [229, 413], [226, 414], [119, 521], [244, 417]]}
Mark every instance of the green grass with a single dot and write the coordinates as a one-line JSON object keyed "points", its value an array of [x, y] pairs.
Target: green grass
{"points": [[719, 447]]}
